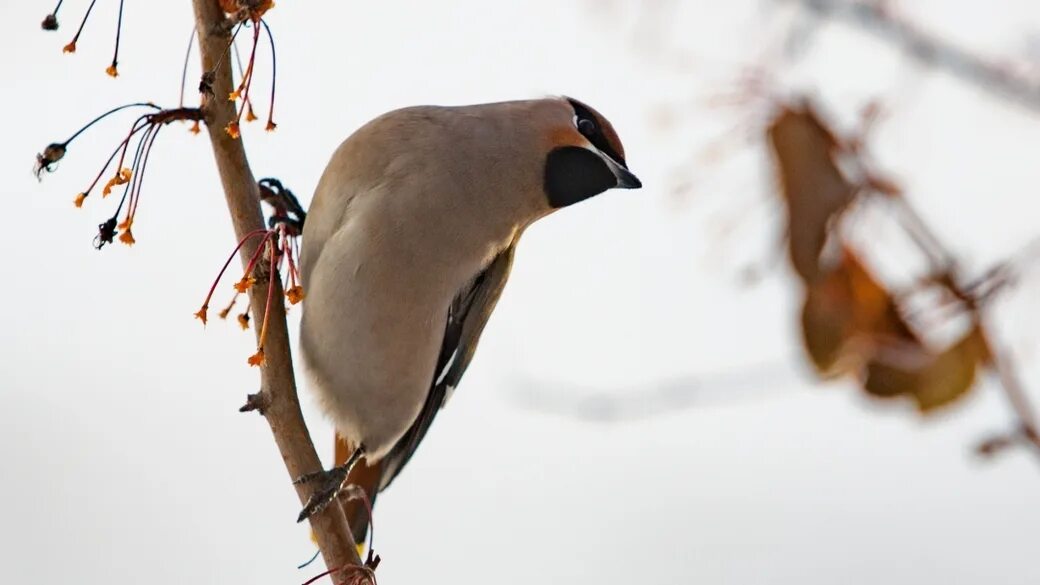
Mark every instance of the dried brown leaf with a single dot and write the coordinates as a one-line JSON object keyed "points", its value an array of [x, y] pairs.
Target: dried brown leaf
{"points": [[813, 188], [937, 380], [845, 310]]}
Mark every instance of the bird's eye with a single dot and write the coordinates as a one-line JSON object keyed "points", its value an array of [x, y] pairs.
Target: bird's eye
{"points": [[587, 127]]}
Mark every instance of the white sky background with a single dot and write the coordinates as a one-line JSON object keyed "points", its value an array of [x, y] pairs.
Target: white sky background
{"points": [[125, 459]]}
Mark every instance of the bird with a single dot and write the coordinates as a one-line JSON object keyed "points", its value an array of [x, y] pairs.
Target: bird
{"points": [[406, 249]]}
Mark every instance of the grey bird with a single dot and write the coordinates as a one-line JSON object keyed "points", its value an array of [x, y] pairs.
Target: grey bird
{"points": [[406, 249]]}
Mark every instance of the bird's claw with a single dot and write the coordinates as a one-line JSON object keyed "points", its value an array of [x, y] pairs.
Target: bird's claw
{"points": [[309, 477], [332, 483]]}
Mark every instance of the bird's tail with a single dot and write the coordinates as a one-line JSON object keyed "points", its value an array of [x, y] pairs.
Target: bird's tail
{"points": [[366, 477]]}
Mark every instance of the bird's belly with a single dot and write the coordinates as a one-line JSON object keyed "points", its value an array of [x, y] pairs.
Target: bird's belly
{"points": [[371, 338]]}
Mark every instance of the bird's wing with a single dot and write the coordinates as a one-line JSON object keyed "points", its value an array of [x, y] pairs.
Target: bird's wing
{"points": [[468, 314]]}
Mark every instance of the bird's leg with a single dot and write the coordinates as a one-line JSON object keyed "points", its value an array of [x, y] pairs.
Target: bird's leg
{"points": [[332, 483]]}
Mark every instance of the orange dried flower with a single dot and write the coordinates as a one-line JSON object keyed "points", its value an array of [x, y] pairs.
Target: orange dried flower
{"points": [[121, 178], [250, 116], [227, 310], [243, 320], [201, 314], [294, 294], [112, 71], [232, 129], [244, 284], [233, 96], [195, 129], [127, 237], [256, 9], [69, 48], [257, 358], [80, 199], [270, 126]]}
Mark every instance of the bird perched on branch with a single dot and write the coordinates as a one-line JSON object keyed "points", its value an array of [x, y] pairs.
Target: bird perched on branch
{"points": [[406, 249]]}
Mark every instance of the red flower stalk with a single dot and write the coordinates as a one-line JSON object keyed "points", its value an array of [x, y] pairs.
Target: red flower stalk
{"points": [[71, 46], [146, 129], [54, 152], [201, 314], [50, 22], [274, 78], [243, 13], [279, 243], [257, 359], [242, 91]]}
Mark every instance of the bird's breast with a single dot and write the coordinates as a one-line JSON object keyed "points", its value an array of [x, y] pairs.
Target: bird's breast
{"points": [[375, 314]]}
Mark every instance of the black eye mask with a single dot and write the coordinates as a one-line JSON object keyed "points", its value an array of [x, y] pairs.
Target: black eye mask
{"points": [[592, 129]]}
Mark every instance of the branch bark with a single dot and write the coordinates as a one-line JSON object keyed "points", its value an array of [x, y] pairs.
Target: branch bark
{"points": [[278, 385]]}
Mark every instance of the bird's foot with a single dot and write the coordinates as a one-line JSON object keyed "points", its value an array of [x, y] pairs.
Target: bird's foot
{"points": [[329, 484]]}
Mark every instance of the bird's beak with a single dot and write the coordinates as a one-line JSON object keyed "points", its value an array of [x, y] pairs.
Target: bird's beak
{"points": [[625, 178]]}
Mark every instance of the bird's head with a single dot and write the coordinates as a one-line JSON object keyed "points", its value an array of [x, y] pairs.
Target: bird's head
{"points": [[584, 156]]}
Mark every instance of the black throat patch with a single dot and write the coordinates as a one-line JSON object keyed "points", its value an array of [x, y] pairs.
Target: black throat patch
{"points": [[574, 174]]}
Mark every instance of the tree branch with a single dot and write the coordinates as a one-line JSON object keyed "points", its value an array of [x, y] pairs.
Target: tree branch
{"points": [[944, 263], [278, 385]]}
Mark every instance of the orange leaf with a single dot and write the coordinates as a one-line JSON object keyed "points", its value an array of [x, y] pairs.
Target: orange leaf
{"points": [[845, 310]]}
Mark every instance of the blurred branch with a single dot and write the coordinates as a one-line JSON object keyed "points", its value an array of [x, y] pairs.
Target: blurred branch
{"points": [[1019, 401], [651, 400], [944, 265], [278, 386], [874, 17]]}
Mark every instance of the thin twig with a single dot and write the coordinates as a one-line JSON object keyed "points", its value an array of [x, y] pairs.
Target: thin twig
{"points": [[1016, 396], [943, 264], [930, 50], [187, 57]]}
